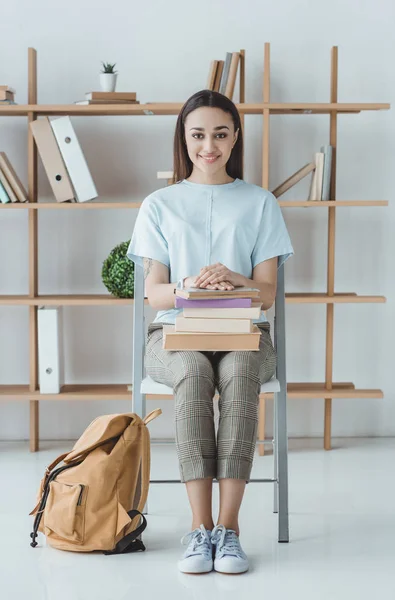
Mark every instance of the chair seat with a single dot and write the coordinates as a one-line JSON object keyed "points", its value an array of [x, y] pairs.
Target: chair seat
{"points": [[149, 386]]}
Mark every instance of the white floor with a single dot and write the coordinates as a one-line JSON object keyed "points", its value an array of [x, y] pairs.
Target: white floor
{"points": [[342, 528]]}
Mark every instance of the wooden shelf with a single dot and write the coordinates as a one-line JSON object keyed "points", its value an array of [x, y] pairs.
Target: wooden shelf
{"points": [[120, 392], [107, 300], [173, 108], [69, 392], [67, 300], [345, 298], [330, 203], [94, 204]]}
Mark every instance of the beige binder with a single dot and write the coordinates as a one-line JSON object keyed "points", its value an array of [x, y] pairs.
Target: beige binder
{"points": [[12, 178], [52, 160]]}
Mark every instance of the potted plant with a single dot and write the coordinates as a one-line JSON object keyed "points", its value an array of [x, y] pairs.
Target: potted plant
{"points": [[108, 77], [118, 272]]}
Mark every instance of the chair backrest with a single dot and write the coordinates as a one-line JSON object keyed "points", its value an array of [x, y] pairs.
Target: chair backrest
{"points": [[139, 336]]}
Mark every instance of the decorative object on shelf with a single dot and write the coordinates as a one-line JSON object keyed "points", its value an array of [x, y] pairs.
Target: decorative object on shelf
{"points": [[108, 77], [7, 95], [118, 272]]}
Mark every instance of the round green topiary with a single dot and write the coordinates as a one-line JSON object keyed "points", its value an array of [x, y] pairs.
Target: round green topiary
{"points": [[118, 272]]}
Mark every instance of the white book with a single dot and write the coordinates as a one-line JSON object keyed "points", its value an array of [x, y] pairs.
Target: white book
{"points": [[164, 174], [326, 181], [74, 159], [50, 349], [213, 325]]}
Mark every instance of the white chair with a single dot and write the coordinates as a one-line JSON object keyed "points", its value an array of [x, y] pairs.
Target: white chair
{"points": [[143, 386]]}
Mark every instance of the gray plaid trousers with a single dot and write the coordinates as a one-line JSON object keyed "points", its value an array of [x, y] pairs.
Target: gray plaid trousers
{"points": [[194, 376]]}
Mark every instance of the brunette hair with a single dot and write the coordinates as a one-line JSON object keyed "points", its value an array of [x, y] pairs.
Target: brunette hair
{"points": [[183, 165]]}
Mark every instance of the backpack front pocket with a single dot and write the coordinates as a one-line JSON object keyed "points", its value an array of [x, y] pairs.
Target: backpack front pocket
{"points": [[64, 514]]}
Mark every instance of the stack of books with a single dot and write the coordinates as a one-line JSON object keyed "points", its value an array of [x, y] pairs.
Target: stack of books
{"points": [[215, 320], [109, 98], [7, 95]]}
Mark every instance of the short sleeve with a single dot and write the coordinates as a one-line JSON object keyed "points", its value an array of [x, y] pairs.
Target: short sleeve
{"points": [[147, 239], [272, 238]]}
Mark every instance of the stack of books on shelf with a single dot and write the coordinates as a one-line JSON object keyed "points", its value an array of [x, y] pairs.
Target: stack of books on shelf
{"points": [[320, 183], [109, 98], [63, 160], [11, 188], [214, 320], [7, 95], [222, 74]]}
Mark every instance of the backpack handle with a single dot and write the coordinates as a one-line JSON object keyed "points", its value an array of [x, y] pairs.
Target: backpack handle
{"points": [[152, 415]]}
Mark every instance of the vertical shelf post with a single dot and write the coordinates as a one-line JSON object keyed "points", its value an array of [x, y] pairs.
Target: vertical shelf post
{"points": [[265, 185], [331, 254], [33, 270]]}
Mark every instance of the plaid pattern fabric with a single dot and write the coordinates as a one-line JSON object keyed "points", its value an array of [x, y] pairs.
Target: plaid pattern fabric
{"points": [[194, 376]]}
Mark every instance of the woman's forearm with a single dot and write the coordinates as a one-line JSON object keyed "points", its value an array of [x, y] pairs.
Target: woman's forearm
{"points": [[267, 291], [162, 296]]}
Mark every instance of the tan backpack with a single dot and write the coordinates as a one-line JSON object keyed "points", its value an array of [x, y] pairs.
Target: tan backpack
{"points": [[94, 501]]}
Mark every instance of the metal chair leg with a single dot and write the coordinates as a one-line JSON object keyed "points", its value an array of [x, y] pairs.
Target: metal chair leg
{"points": [[275, 457]]}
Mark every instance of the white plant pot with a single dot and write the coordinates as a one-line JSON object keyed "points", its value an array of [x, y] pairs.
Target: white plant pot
{"points": [[108, 82]]}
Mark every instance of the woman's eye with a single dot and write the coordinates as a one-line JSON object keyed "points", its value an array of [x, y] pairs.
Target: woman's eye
{"points": [[199, 136]]}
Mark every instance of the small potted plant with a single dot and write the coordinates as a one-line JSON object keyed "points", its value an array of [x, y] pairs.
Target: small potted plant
{"points": [[108, 77], [118, 272]]}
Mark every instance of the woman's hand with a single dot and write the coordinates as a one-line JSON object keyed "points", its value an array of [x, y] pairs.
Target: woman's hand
{"points": [[217, 274], [192, 282]]}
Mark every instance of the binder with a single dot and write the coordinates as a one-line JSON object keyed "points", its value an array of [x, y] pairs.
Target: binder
{"points": [[12, 178], [74, 159], [52, 160], [50, 349]]}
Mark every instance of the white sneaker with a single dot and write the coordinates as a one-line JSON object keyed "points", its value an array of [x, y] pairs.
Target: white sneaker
{"points": [[229, 555], [198, 557]]}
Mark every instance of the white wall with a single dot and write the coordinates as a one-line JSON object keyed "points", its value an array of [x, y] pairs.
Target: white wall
{"points": [[163, 51]]}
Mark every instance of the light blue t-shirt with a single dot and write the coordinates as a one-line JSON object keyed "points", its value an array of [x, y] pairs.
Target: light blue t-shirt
{"points": [[187, 226]]}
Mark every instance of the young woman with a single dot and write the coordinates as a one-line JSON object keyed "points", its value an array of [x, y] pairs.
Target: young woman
{"points": [[213, 230]]}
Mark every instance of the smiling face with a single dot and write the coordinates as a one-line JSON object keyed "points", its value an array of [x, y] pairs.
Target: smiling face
{"points": [[210, 137]]}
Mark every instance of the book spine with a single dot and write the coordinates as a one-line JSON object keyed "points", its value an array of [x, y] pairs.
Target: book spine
{"points": [[213, 303]]}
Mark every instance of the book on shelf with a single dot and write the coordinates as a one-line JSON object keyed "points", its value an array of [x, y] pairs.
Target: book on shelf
{"points": [[7, 95], [200, 293], [63, 160], [7, 188], [293, 179], [210, 342], [101, 102], [50, 349], [128, 96], [52, 160], [315, 192], [74, 159], [12, 178], [326, 179], [213, 325], [222, 74]]}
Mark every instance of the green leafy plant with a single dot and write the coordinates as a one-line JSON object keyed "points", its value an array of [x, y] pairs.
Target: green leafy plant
{"points": [[108, 67], [118, 272]]}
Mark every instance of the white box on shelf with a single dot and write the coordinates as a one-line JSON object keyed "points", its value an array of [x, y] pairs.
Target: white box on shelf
{"points": [[50, 349]]}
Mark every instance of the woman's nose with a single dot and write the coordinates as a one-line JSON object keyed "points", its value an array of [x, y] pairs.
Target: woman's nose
{"points": [[209, 145]]}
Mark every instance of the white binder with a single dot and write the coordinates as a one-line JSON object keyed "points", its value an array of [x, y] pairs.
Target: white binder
{"points": [[74, 159], [50, 349]]}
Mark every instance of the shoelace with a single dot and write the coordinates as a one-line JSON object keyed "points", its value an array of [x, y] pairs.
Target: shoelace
{"points": [[197, 541], [226, 541]]}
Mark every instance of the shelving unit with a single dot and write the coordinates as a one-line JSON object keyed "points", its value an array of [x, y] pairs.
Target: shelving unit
{"points": [[326, 389]]}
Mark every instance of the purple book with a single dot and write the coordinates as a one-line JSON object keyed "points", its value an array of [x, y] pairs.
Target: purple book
{"points": [[213, 303]]}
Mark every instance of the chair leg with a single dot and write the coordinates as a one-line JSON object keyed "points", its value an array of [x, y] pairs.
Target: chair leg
{"points": [[275, 456], [282, 449], [261, 425]]}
